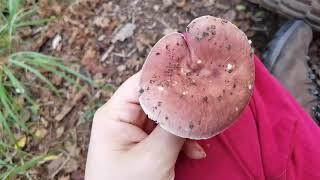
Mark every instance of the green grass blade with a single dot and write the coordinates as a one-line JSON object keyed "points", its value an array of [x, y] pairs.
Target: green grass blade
{"points": [[24, 19], [11, 27], [63, 67], [37, 73], [14, 18], [4, 145], [25, 166], [33, 23], [75, 73], [3, 18], [3, 5], [4, 43], [6, 127], [13, 6], [2, 29], [52, 61], [9, 108], [7, 173], [3, 163], [15, 82], [56, 72], [18, 85], [26, 13]]}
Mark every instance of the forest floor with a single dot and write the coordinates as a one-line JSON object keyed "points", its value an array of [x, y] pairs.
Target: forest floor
{"points": [[109, 40]]}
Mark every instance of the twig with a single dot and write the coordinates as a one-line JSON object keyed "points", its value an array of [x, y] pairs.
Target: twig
{"points": [[163, 23], [68, 107], [260, 29], [107, 53], [123, 55], [62, 166]]}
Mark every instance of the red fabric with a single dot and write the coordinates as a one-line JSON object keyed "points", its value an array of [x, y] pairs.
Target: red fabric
{"points": [[273, 139]]}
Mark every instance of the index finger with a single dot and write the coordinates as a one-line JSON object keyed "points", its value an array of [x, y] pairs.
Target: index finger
{"points": [[128, 92], [124, 104]]}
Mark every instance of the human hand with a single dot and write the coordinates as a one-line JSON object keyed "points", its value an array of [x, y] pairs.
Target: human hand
{"points": [[125, 144]]}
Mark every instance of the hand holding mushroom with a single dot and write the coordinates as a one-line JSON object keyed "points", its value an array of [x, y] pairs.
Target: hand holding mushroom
{"points": [[125, 144], [194, 85]]}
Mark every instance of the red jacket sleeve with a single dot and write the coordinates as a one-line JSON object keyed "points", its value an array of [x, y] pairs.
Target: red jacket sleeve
{"points": [[273, 139]]}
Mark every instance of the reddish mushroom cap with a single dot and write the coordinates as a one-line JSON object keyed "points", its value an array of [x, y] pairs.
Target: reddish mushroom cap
{"points": [[196, 84]]}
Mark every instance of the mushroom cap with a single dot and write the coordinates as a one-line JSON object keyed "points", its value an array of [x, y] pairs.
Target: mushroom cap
{"points": [[196, 84]]}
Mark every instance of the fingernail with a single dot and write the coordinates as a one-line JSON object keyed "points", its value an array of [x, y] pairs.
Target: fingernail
{"points": [[201, 154], [198, 152]]}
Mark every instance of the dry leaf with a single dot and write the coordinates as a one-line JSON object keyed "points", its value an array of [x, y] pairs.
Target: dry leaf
{"points": [[89, 61], [56, 42], [69, 106], [40, 133], [126, 31], [101, 21], [71, 166], [72, 149], [51, 157], [59, 131], [64, 178], [54, 166], [21, 142]]}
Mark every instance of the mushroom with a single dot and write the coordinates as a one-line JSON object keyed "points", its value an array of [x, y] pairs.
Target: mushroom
{"points": [[196, 84]]}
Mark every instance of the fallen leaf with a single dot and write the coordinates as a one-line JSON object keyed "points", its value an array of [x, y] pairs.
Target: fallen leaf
{"points": [[107, 53], [72, 149], [168, 31], [121, 68], [101, 21], [180, 3], [89, 61], [59, 131], [156, 7], [167, 3], [69, 106], [71, 165], [56, 79], [241, 7], [56, 42], [126, 31], [51, 157], [21, 142], [55, 166], [40, 133], [230, 15], [64, 178], [77, 175], [102, 37]]}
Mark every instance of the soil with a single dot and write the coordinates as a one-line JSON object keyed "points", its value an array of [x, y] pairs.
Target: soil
{"points": [[109, 41]]}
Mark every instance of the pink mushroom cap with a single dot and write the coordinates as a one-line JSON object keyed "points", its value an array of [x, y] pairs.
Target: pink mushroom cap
{"points": [[196, 84]]}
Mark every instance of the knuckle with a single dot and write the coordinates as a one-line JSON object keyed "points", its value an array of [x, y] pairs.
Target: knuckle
{"points": [[100, 112]]}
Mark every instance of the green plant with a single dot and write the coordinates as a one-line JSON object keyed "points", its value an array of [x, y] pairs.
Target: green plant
{"points": [[11, 166], [13, 66], [11, 86], [13, 17]]}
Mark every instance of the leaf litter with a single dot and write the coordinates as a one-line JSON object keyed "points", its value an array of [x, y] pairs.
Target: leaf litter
{"points": [[109, 41]]}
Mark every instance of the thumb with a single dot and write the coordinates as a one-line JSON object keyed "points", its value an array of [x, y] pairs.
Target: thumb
{"points": [[164, 144]]}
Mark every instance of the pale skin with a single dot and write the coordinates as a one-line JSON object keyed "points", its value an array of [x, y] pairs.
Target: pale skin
{"points": [[125, 144]]}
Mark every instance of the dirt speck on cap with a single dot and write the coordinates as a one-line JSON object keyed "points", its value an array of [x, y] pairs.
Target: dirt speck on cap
{"points": [[141, 91], [191, 126], [205, 99]]}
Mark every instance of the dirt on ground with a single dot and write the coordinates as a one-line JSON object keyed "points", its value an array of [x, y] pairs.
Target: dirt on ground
{"points": [[109, 41]]}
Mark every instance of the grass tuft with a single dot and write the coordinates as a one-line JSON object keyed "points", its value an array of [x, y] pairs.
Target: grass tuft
{"points": [[13, 66]]}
